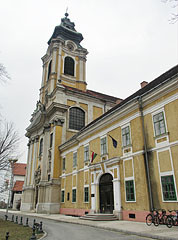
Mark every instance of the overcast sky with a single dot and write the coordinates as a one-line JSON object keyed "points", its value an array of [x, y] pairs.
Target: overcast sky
{"points": [[128, 41]]}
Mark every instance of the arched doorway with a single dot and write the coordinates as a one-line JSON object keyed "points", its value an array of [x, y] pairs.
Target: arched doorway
{"points": [[106, 193]]}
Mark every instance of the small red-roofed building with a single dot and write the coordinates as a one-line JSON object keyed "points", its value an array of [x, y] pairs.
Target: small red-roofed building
{"points": [[19, 171]]}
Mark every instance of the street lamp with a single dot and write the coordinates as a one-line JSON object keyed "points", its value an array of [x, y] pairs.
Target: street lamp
{"points": [[11, 161]]}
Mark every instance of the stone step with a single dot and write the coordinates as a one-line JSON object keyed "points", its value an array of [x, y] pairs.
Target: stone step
{"points": [[100, 217]]}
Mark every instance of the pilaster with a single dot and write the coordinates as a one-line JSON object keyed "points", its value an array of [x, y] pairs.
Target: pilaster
{"points": [[30, 162], [45, 153], [34, 158]]}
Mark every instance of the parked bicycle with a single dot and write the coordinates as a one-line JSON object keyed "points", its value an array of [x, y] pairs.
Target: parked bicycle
{"points": [[172, 219], [153, 217]]}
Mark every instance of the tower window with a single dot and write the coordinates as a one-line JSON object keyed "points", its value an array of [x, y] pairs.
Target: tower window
{"points": [[49, 70], [69, 66], [76, 118]]}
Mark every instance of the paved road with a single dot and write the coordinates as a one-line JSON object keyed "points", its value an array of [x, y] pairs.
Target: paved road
{"points": [[68, 231]]}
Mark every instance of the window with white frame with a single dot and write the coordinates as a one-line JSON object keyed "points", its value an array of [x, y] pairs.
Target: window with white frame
{"points": [[159, 124], [126, 136], [86, 153], [168, 188], [103, 146], [86, 194], [76, 118], [69, 66], [74, 195], [62, 196], [74, 159], [129, 189]]}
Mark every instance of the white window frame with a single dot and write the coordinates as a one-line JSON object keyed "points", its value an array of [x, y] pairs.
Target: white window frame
{"points": [[87, 146], [104, 153], [62, 190], [130, 138], [75, 162], [86, 186], [165, 124], [74, 188]]}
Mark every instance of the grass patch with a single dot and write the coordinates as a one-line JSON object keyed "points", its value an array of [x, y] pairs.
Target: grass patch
{"points": [[16, 232]]}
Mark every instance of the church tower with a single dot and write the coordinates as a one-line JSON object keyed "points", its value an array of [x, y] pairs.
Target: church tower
{"points": [[64, 107], [65, 60]]}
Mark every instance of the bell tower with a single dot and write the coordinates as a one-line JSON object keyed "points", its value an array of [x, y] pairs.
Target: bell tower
{"points": [[65, 60]]}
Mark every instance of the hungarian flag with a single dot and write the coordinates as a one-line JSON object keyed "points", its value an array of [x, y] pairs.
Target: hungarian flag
{"points": [[114, 142], [93, 155]]}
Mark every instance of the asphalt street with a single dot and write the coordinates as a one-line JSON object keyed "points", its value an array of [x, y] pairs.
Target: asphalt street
{"points": [[67, 231]]}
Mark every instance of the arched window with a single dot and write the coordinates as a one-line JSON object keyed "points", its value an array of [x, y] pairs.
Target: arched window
{"points": [[49, 70], [76, 118], [69, 66]]}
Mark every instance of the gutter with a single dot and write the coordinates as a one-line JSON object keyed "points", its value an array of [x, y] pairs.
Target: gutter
{"points": [[146, 155]]}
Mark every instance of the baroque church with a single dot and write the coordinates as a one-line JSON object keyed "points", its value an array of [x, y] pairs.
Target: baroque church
{"points": [[89, 152]]}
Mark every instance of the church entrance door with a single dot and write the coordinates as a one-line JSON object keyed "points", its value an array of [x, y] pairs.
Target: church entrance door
{"points": [[106, 193]]}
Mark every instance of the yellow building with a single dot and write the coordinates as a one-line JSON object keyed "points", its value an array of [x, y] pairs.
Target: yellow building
{"points": [[93, 153], [65, 106]]}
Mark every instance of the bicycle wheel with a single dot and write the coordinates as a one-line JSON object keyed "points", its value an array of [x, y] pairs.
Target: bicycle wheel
{"points": [[156, 221], [169, 222], [149, 219]]}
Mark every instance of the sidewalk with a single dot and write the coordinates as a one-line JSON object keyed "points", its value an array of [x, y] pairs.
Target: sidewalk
{"points": [[136, 228]]}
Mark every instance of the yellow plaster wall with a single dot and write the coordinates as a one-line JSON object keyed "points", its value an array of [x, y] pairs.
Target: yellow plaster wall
{"points": [[62, 62], [86, 177], [97, 111], [80, 157], [148, 125], [95, 147], [70, 102], [174, 152], [77, 68], [84, 106], [69, 162], [171, 112], [164, 161], [136, 134], [74, 180], [57, 142], [112, 151], [141, 190], [128, 168], [69, 134], [81, 85]]}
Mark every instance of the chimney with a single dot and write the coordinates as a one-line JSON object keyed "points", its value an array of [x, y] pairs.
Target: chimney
{"points": [[143, 84], [118, 100]]}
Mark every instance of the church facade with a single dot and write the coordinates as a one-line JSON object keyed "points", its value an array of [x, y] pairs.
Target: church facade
{"points": [[94, 153]]}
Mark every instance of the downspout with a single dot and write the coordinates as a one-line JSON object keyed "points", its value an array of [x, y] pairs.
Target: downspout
{"points": [[146, 155]]}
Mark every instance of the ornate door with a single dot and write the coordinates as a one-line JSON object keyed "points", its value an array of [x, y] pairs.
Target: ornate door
{"points": [[106, 194]]}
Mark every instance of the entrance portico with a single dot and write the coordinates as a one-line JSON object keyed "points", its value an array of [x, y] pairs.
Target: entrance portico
{"points": [[105, 189]]}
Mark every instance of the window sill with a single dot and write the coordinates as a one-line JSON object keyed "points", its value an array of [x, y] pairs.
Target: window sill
{"points": [[161, 135], [128, 146]]}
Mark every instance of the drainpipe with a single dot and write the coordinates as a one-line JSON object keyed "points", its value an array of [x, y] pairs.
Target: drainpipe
{"points": [[146, 155]]}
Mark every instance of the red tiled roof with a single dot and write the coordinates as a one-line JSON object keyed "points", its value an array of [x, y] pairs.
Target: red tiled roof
{"points": [[18, 186], [19, 169]]}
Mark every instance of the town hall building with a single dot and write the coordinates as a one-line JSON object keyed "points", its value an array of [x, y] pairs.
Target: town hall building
{"points": [[89, 152]]}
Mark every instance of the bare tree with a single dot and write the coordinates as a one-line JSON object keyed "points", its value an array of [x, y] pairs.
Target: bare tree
{"points": [[9, 140], [4, 76], [174, 4]]}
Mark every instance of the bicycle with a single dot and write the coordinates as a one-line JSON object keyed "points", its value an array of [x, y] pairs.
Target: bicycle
{"points": [[153, 217], [172, 220], [162, 217]]}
